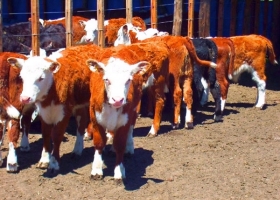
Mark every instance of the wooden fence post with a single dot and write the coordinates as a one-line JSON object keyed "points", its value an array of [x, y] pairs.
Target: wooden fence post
{"points": [[1, 28], [233, 15], [35, 27], [128, 11], [204, 19], [190, 17], [177, 18], [220, 18], [100, 22], [153, 13], [68, 22]]}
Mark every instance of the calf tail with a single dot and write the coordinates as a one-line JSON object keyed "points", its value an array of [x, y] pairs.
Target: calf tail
{"points": [[231, 59], [270, 53], [191, 49]]}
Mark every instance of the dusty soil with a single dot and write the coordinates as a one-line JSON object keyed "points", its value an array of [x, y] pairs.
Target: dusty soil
{"points": [[238, 158]]}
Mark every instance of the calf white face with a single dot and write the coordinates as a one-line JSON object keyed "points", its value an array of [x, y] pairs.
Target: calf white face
{"points": [[117, 76], [91, 30], [37, 75]]}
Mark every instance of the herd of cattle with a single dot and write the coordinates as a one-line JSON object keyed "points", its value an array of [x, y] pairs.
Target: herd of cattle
{"points": [[102, 87]]}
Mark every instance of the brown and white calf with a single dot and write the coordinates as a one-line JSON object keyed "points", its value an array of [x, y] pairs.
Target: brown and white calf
{"points": [[14, 115], [111, 28], [182, 56], [78, 29], [225, 61], [251, 52], [59, 87], [116, 87]]}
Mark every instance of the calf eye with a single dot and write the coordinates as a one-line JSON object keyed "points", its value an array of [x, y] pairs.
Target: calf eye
{"points": [[107, 81], [40, 79]]}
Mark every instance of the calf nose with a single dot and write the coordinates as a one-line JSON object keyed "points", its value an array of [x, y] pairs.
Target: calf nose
{"points": [[24, 99], [117, 101]]}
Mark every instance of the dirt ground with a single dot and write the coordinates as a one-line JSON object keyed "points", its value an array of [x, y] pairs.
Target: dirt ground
{"points": [[238, 158]]}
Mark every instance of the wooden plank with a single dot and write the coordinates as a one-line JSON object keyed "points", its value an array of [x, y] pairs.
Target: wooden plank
{"points": [[153, 13], [233, 17], [265, 18], [275, 39], [220, 18], [248, 12], [68, 22], [100, 21], [1, 27], [129, 7], [204, 16], [190, 17], [257, 14], [177, 18], [35, 27]]}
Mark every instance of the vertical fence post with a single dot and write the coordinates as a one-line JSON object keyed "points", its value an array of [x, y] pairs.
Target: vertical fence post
{"points": [[220, 18], [177, 19], [204, 16], [35, 27], [100, 22], [153, 13], [1, 28], [233, 15], [190, 17], [276, 28], [128, 11], [68, 22]]}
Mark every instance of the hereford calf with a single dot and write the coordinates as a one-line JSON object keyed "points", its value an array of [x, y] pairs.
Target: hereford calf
{"points": [[78, 29], [116, 87], [225, 60], [111, 28], [59, 87], [14, 115], [251, 52]]}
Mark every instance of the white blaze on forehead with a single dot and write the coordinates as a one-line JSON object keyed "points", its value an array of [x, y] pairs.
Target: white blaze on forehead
{"points": [[37, 78]]}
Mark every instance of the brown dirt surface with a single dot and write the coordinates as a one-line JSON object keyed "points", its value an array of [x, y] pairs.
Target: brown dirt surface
{"points": [[238, 158]]}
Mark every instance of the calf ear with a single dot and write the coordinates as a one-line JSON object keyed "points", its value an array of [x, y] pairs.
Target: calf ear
{"points": [[54, 67], [15, 62], [82, 23], [95, 66], [140, 67]]}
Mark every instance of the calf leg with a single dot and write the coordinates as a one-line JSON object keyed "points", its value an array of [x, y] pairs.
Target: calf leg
{"points": [[177, 96], [261, 84], [25, 125], [188, 99], [99, 142], [13, 136], [46, 152]]}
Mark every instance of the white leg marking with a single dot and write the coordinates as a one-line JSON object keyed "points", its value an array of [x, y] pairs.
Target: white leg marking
{"points": [[223, 103], [86, 136], [97, 164], [12, 164], [119, 172], [79, 144], [1, 158], [152, 130], [13, 112], [188, 115], [24, 144], [45, 157], [130, 143], [205, 94], [53, 164]]}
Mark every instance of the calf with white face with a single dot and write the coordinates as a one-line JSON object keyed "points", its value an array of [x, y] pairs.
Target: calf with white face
{"points": [[55, 89], [113, 107]]}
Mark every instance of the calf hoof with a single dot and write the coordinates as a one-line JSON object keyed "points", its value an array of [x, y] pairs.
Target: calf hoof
{"points": [[119, 182], [189, 125], [175, 126], [96, 177], [12, 168], [51, 172], [25, 149], [42, 165], [150, 135], [218, 118]]}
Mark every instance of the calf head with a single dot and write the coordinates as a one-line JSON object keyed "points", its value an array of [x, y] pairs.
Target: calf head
{"points": [[117, 76], [90, 27], [37, 75]]}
